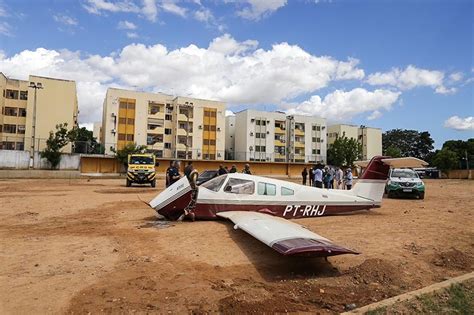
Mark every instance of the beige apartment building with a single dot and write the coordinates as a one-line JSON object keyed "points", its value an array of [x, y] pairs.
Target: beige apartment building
{"points": [[370, 138], [170, 126], [24, 126], [276, 137]]}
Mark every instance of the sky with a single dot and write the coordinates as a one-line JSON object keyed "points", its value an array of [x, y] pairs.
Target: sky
{"points": [[380, 63]]}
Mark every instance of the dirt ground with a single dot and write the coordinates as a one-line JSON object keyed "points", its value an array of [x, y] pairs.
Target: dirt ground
{"points": [[79, 246]]}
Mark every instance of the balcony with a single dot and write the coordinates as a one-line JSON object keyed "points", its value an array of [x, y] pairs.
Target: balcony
{"points": [[182, 117], [299, 144], [157, 130], [279, 143], [279, 130], [299, 132], [182, 132]]}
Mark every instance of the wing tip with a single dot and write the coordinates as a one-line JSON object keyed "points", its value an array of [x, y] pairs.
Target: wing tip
{"points": [[310, 247]]}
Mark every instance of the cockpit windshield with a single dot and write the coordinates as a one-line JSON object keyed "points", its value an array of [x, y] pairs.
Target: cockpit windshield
{"points": [[215, 184]]}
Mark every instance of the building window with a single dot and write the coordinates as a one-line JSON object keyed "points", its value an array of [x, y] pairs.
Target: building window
{"points": [[11, 94], [10, 111], [168, 117], [159, 153], [167, 131], [1, 128], [212, 142], [21, 112], [151, 139], [8, 145], [20, 146], [153, 109], [23, 95], [123, 120], [260, 135], [260, 148], [123, 105], [9, 128], [130, 137], [167, 145], [21, 129], [121, 136], [130, 121]]}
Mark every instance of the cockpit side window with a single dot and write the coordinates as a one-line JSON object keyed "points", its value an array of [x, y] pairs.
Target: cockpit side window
{"points": [[240, 186], [215, 184], [266, 189], [287, 191]]}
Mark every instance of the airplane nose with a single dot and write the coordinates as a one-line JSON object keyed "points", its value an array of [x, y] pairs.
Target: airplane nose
{"points": [[172, 201]]}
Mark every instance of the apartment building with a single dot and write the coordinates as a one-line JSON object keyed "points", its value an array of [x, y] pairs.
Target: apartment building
{"points": [[171, 127], [24, 126], [306, 139], [370, 138], [260, 136], [229, 137], [273, 136]]}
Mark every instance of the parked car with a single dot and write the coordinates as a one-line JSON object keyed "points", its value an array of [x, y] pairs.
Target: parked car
{"points": [[404, 181], [206, 176]]}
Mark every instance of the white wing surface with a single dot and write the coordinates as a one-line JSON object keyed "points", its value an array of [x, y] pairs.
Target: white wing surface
{"points": [[285, 237]]}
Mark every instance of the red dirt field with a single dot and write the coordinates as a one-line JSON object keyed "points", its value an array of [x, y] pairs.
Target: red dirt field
{"points": [[79, 246]]}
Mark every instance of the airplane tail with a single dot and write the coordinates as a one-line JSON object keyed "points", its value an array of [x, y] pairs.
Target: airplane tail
{"points": [[371, 183]]}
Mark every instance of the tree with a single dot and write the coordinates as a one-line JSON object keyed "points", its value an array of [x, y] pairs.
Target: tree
{"points": [[344, 151], [84, 141], [129, 148], [56, 141], [445, 160], [409, 142], [462, 149], [393, 152]]}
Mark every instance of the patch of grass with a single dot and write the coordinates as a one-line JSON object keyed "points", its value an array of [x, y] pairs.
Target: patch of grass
{"points": [[461, 299], [377, 311]]}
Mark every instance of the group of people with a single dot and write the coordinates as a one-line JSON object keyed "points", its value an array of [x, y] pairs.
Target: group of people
{"points": [[225, 170], [328, 177]]}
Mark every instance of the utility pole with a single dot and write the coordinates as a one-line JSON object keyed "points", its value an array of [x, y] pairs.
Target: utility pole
{"points": [[36, 86]]}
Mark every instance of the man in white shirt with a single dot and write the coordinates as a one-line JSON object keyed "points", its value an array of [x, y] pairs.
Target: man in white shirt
{"points": [[318, 178]]}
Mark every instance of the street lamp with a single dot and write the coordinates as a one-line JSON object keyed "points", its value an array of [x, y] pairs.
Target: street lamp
{"points": [[36, 86]]}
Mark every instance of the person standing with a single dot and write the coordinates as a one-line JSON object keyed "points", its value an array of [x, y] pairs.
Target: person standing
{"points": [[326, 178], [311, 176], [246, 169], [221, 170], [318, 178], [173, 173], [188, 169], [192, 178], [167, 174], [348, 179], [331, 178], [339, 176], [304, 173], [233, 169]]}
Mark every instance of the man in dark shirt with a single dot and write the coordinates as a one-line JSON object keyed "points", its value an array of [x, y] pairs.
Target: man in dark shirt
{"points": [[222, 170], [247, 169], [173, 173], [233, 169], [167, 173]]}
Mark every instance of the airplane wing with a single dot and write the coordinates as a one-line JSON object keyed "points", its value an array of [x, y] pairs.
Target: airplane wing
{"points": [[285, 237]]}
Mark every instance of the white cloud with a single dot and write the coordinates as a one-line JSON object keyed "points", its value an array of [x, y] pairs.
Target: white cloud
{"points": [[341, 105], [97, 6], [126, 25], [228, 70], [171, 7], [455, 77], [203, 15], [5, 29], [65, 19], [411, 77], [256, 9], [150, 10], [459, 123], [375, 114], [132, 35]]}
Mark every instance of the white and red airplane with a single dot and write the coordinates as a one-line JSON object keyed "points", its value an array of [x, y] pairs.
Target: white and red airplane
{"points": [[261, 206]]}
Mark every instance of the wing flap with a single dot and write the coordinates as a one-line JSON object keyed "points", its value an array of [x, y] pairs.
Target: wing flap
{"points": [[285, 237]]}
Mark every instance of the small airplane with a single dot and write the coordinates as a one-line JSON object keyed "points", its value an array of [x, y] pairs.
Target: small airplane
{"points": [[261, 206]]}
